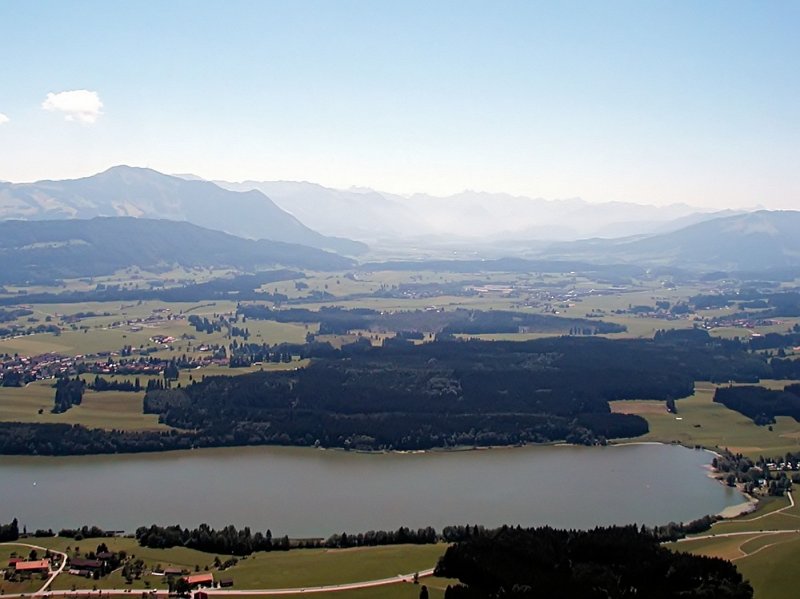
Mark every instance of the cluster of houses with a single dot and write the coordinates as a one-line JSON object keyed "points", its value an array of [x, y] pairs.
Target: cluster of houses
{"points": [[737, 323], [17, 371], [783, 466], [101, 564], [30, 368]]}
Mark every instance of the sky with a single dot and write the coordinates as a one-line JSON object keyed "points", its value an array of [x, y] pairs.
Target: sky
{"points": [[642, 101]]}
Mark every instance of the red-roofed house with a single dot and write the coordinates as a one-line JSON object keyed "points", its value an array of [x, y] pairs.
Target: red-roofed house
{"points": [[205, 579], [42, 565]]}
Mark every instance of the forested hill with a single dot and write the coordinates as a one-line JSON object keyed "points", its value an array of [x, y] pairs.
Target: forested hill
{"points": [[32, 251], [450, 393], [142, 192]]}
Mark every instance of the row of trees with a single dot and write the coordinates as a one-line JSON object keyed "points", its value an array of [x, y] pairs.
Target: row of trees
{"points": [[228, 540], [101, 384]]}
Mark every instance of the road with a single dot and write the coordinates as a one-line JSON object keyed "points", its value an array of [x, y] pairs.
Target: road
{"points": [[722, 535]]}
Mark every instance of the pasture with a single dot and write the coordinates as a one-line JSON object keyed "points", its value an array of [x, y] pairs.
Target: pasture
{"points": [[764, 548], [296, 568], [700, 421]]}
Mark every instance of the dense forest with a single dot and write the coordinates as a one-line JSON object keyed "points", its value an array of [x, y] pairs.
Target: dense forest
{"points": [[761, 404], [341, 321], [450, 393], [603, 563]]}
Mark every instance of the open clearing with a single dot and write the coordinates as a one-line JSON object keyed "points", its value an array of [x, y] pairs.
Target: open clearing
{"points": [[105, 409], [700, 421]]}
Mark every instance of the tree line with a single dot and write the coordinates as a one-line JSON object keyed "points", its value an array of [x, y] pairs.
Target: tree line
{"points": [[760, 404]]}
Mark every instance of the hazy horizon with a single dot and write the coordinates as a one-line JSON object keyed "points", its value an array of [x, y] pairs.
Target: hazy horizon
{"points": [[656, 104], [407, 195]]}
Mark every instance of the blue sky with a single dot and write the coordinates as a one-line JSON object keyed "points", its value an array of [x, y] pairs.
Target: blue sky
{"points": [[654, 102]]}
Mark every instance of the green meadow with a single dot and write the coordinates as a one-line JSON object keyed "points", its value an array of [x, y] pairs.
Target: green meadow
{"points": [[263, 570], [700, 421], [765, 550]]}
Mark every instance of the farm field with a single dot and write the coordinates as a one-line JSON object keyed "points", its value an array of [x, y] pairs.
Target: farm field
{"points": [[99, 409]]}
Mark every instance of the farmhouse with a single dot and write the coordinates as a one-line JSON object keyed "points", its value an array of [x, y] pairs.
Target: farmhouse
{"points": [[40, 566], [173, 571], [77, 563], [205, 579]]}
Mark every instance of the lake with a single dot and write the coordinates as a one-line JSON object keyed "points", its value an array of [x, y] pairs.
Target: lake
{"points": [[310, 492]]}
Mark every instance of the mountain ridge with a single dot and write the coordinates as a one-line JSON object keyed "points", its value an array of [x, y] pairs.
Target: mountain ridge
{"points": [[141, 192], [751, 241]]}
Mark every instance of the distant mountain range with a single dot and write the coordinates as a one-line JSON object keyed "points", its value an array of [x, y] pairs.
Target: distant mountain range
{"points": [[32, 251], [145, 193], [372, 216], [746, 242], [470, 225]]}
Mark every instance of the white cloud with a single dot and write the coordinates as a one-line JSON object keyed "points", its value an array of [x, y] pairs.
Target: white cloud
{"points": [[3, 119], [79, 105]]}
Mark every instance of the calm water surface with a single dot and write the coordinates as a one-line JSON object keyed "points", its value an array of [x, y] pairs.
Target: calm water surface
{"points": [[307, 492]]}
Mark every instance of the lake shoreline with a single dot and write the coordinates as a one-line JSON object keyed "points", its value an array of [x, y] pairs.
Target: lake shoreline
{"points": [[306, 493]]}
